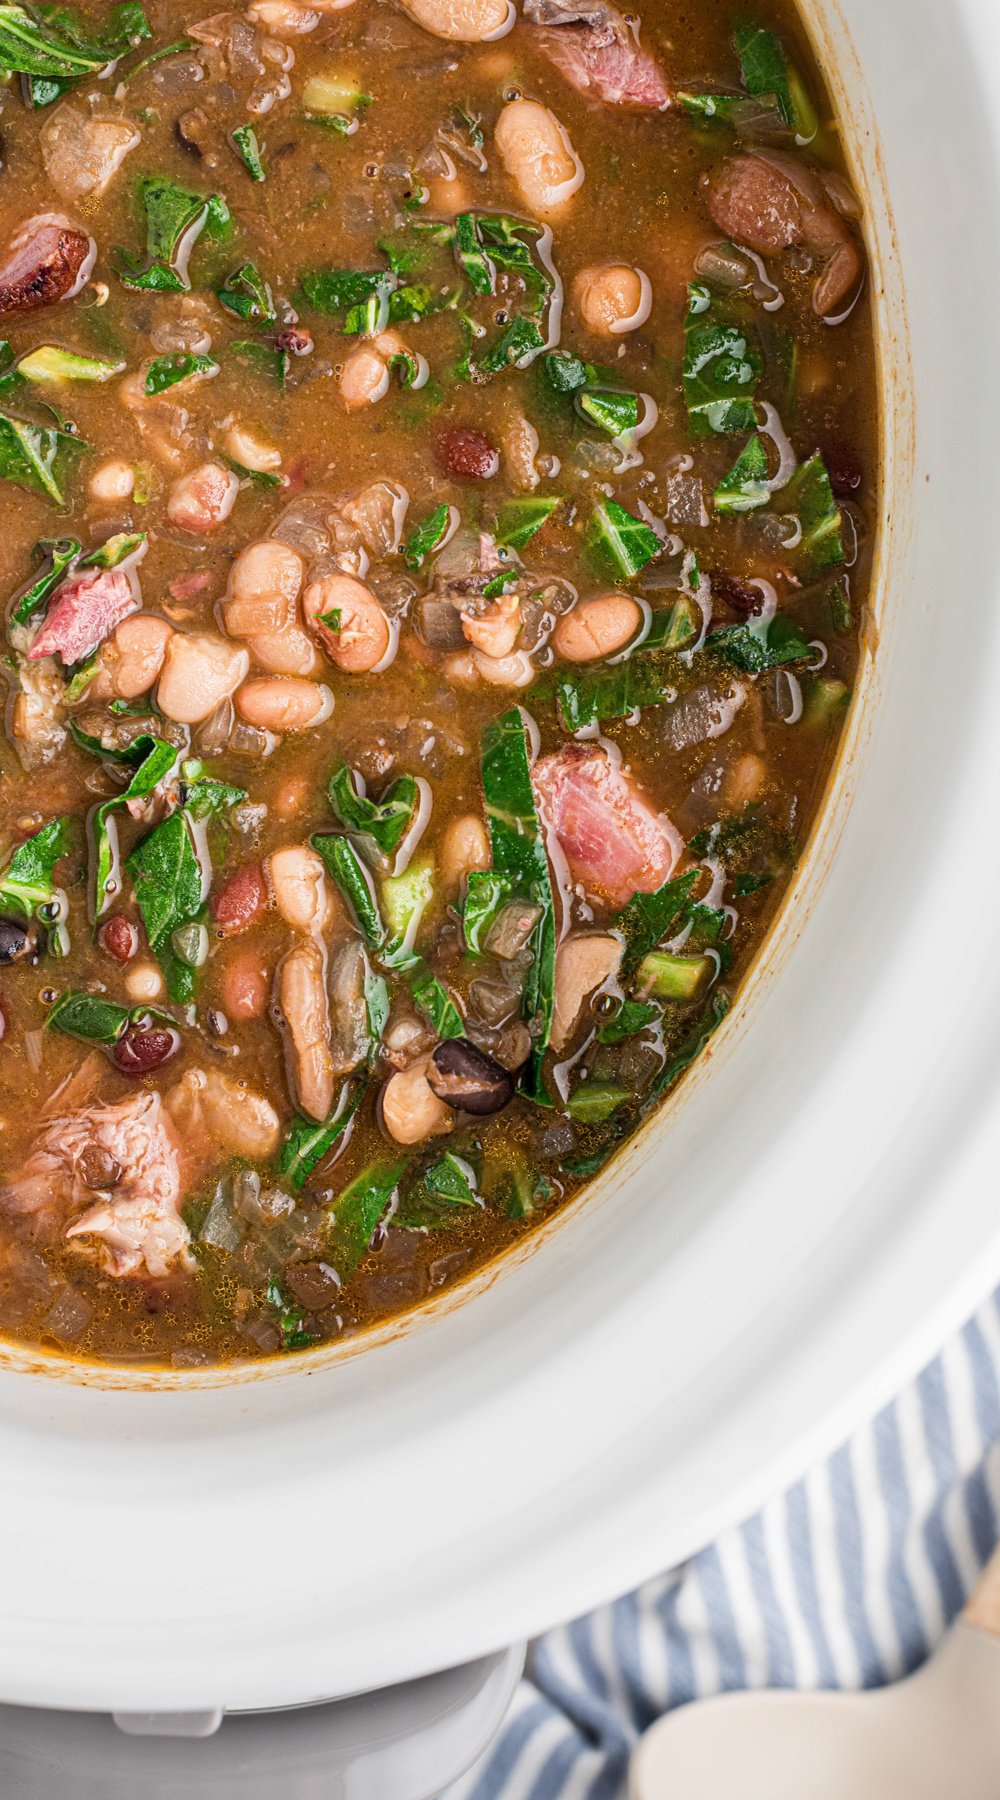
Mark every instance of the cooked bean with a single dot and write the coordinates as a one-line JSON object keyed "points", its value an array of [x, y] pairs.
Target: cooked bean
{"points": [[263, 589], [411, 1111], [465, 846], [113, 479], [282, 18], [463, 21], [467, 453], [538, 156], [202, 501], [496, 628], [283, 703], [288, 652], [16, 940], [252, 451], [200, 669], [515, 671], [118, 936], [597, 627], [612, 298], [244, 985], [464, 1077], [241, 900], [132, 659], [137, 1052], [209, 1109], [583, 964], [365, 376], [144, 982], [305, 1013], [349, 623], [302, 891]]}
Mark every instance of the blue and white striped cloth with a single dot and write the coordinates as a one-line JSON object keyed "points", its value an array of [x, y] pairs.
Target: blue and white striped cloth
{"points": [[847, 1581]]}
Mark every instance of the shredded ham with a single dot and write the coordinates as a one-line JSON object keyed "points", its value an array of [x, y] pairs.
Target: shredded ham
{"points": [[613, 841]]}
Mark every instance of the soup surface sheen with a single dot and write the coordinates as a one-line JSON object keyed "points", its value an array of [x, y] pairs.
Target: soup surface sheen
{"points": [[437, 475]]}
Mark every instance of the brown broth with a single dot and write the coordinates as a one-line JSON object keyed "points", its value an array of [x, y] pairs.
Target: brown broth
{"points": [[327, 202]]}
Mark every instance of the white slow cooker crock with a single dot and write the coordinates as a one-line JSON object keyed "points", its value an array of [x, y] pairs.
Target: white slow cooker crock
{"points": [[785, 1243]]}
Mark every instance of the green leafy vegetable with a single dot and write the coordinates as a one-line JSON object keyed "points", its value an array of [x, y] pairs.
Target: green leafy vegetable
{"points": [[266, 358], [355, 1214], [690, 1047], [52, 42], [41, 458], [519, 857], [170, 886], [617, 543], [722, 366], [336, 290], [380, 824], [755, 646], [615, 413], [156, 760], [59, 554], [439, 1196], [248, 149], [28, 881], [587, 696], [288, 1317], [564, 373], [594, 1101], [648, 918], [810, 498], [631, 1017], [88, 1016], [762, 61], [519, 520], [517, 344], [48, 363], [722, 107], [746, 486], [427, 536], [306, 1143], [166, 371], [246, 293], [487, 893], [175, 219], [355, 883]]}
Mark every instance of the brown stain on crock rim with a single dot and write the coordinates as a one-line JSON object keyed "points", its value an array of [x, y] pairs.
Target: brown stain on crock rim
{"points": [[842, 70]]}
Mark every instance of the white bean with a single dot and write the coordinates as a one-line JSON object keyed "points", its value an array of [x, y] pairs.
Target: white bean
{"points": [[302, 891], [302, 997], [612, 298], [365, 376], [597, 627], [251, 451], [583, 964], [465, 846], [200, 670], [538, 156], [411, 1110], [143, 982], [113, 479], [283, 703], [463, 21]]}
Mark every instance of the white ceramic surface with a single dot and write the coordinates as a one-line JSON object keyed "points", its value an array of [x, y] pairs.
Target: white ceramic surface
{"points": [[776, 1253]]}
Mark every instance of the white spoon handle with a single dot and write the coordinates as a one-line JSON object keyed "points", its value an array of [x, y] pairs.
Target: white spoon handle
{"points": [[983, 1610]]}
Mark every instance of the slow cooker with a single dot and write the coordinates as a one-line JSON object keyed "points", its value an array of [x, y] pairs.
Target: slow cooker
{"points": [[781, 1247]]}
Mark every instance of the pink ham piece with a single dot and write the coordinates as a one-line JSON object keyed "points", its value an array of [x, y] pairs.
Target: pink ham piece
{"points": [[773, 202], [49, 260], [134, 1223], [597, 52], [613, 841], [84, 611]]}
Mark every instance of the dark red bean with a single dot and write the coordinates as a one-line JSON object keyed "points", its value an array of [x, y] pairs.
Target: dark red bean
{"points": [[466, 453], [295, 340], [119, 937], [241, 900], [740, 596], [845, 471], [137, 1052], [245, 986], [97, 1168], [463, 1076]]}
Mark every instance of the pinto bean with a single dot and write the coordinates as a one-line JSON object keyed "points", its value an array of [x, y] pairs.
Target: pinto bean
{"points": [[612, 298], [132, 658], [264, 588], [118, 936], [302, 891], [360, 639], [496, 629], [203, 500], [365, 376], [241, 900], [244, 986], [113, 479], [301, 996], [462, 21], [583, 964], [200, 670], [597, 627], [465, 846], [770, 202], [411, 1110], [538, 156], [283, 703]]}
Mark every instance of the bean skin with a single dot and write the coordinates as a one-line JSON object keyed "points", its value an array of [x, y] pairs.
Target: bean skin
{"points": [[283, 703], [264, 589], [302, 891], [597, 627]]}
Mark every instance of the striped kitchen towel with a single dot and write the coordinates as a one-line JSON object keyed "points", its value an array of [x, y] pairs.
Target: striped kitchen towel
{"points": [[846, 1581]]}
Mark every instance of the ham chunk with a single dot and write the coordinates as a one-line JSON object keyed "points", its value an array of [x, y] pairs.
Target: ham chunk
{"points": [[49, 260], [133, 1220], [598, 53], [613, 841], [85, 610], [774, 202]]}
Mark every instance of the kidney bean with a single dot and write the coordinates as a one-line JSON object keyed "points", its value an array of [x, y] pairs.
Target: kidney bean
{"points": [[466, 453], [137, 1051], [119, 937], [245, 986], [241, 900]]}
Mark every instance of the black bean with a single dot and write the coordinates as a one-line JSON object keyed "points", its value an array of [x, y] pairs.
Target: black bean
{"points": [[467, 1079], [16, 939]]}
